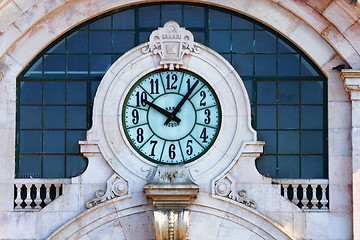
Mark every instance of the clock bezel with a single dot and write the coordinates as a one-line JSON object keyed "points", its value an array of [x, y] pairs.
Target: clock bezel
{"points": [[135, 149]]}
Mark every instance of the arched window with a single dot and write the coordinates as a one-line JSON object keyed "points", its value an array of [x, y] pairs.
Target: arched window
{"points": [[286, 90]]}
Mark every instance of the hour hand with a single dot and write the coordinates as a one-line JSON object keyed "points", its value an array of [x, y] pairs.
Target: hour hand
{"points": [[162, 111]]}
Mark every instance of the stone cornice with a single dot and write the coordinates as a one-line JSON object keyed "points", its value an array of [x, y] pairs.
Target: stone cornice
{"points": [[351, 79]]}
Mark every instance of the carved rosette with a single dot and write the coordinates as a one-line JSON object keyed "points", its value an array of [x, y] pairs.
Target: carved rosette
{"points": [[226, 187], [116, 187], [171, 43]]}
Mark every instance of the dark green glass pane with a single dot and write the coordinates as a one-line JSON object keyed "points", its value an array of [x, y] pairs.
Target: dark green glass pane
{"points": [[242, 41], [244, 64], [270, 141], [77, 64], [171, 12], [266, 92], [124, 20], [54, 64], [265, 42], [36, 69], [54, 166], [72, 141], [54, 141], [100, 42], [76, 117], [288, 92], [54, 92], [289, 65], [29, 166], [312, 117], [58, 48], [266, 117], [30, 141], [312, 92], [220, 41], [307, 69], [284, 47], [239, 23], [219, 20], [312, 142], [76, 92], [288, 142], [149, 16], [123, 41], [31, 92], [30, 117], [266, 165], [101, 24], [99, 64], [54, 117], [288, 117], [78, 42], [312, 167], [265, 65], [75, 165], [289, 166], [194, 16]]}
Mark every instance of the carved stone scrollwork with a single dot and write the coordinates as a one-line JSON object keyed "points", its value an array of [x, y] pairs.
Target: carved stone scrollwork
{"points": [[226, 187], [171, 43], [116, 186]]}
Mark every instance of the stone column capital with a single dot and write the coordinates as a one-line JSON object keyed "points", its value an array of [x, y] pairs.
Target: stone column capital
{"points": [[351, 79]]}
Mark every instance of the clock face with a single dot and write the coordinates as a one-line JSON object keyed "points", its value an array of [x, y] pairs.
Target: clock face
{"points": [[171, 117]]}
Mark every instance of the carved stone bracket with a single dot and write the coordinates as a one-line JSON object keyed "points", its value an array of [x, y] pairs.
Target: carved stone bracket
{"points": [[171, 43], [116, 186], [226, 187]]}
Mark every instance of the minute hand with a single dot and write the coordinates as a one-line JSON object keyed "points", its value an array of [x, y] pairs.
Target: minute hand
{"points": [[161, 110], [181, 103]]}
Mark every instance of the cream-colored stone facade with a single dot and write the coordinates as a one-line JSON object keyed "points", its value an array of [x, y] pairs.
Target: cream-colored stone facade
{"points": [[328, 31]]}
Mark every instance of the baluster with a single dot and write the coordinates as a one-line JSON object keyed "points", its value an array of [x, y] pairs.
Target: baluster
{"points": [[323, 200], [314, 200], [28, 199], [305, 200], [18, 199], [295, 199], [37, 199], [285, 186], [57, 189], [47, 199]]}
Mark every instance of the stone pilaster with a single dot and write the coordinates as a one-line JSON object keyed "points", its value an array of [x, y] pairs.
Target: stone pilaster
{"points": [[351, 79]]}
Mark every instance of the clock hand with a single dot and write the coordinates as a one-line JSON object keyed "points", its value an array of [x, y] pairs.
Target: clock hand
{"points": [[172, 116], [162, 111]]}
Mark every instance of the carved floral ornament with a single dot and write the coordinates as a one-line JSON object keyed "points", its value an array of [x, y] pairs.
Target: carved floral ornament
{"points": [[171, 43]]}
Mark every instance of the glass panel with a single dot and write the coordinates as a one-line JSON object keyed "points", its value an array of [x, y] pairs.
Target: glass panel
{"points": [[123, 41], [312, 117], [76, 117], [54, 166], [219, 20], [101, 24], [239, 23], [124, 20], [144, 36], [54, 142], [289, 166], [194, 16], [312, 167], [78, 42], [30, 141], [58, 48], [270, 141], [36, 69], [288, 117], [266, 93], [76, 92], [265, 42], [288, 92], [289, 142], [249, 88], [99, 64], [78, 64], [220, 41], [284, 47], [312, 142], [307, 69], [149, 16], [199, 37], [265, 65], [30, 166], [94, 86], [54, 117], [267, 165], [171, 12], [242, 41], [266, 117], [54, 64], [289, 64], [72, 141], [30, 117], [312, 92], [54, 92], [244, 64], [100, 42], [75, 165]]}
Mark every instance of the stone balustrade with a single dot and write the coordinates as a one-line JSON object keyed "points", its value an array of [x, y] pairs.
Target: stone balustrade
{"points": [[35, 194], [307, 194]]}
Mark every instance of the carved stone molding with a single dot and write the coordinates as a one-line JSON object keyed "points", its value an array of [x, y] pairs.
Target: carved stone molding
{"points": [[116, 186], [171, 43], [226, 187], [351, 79]]}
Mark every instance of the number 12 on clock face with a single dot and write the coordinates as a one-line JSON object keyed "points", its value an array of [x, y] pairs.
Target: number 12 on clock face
{"points": [[171, 117]]}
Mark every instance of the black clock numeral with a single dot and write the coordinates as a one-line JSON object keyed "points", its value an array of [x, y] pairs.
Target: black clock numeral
{"points": [[202, 101], [207, 120], [172, 153], [172, 85], [204, 136], [140, 135], [189, 149], [152, 154], [141, 99], [135, 115], [154, 86], [188, 84]]}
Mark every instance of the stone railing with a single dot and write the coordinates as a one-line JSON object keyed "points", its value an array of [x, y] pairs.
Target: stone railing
{"points": [[307, 194], [35, 194]]}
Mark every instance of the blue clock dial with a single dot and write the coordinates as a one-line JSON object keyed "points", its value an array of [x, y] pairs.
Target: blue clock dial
{"points": [[171, 117]]}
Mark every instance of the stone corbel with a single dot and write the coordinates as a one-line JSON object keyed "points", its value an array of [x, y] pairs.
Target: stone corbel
{"points": [[351, 79], [171, 191]]}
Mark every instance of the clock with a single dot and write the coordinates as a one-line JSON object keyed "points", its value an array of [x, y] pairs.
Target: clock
{"points": [[171, 117]]}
